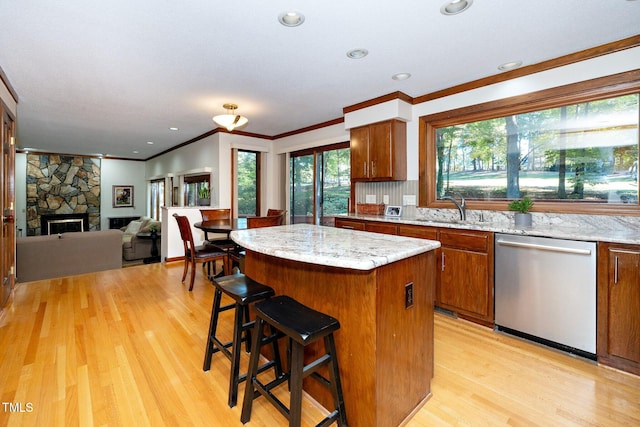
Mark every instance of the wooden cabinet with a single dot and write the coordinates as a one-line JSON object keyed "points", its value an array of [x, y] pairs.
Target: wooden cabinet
{"points": [[466, 274], [351, 224], [372, 226], [379, 152], [618, 339], [464, 283], [464, 277]]}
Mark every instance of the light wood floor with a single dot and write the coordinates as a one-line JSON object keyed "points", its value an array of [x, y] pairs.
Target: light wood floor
{"points": [[125, 347]]}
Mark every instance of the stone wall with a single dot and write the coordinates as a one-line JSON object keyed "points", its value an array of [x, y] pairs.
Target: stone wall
{"points": [[58, 184]]}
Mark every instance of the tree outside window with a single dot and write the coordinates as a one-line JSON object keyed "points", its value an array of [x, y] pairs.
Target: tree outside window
{"points": [[584, 152]]}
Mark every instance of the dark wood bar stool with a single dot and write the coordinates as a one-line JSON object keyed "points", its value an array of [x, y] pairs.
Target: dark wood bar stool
{"points": [[244, 291], [302, 326]]}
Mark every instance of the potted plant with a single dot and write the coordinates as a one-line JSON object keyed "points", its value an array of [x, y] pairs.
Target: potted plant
{"points": [[153, 229], [204, 195], [522, 207]]}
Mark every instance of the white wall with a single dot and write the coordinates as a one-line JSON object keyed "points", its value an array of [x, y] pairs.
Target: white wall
{"points": [[122, 172]]}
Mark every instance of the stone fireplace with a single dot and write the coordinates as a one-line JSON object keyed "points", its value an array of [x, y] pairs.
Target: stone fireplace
{"points": [[65, 188]]}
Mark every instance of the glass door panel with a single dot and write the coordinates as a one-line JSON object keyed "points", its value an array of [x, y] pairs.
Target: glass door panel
{"points": [[302, 189]]}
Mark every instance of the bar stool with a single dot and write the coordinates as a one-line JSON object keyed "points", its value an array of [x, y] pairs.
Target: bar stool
{"points": [[244, 291], [302, 325]]}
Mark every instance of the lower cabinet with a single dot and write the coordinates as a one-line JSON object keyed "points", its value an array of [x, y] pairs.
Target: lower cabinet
{"points": [[465, 285], [464, 280], [618, 341]]}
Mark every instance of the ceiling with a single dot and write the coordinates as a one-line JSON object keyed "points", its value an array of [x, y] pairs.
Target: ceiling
{"points": [[107, 77]]}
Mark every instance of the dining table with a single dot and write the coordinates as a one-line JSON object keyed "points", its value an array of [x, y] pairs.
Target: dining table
{"points": [[222, 225]]}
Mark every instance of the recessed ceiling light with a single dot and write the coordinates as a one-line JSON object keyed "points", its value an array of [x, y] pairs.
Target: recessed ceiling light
{"points": [[173, 128], [453, 7], [357, 53], [509, 65], [291, 18], [150, 142], [135, 151], [401, 76]]}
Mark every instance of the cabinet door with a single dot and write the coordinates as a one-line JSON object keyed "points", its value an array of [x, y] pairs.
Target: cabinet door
{"points": [[464, 282], [380, 150], [360, 153], [624, 304]]}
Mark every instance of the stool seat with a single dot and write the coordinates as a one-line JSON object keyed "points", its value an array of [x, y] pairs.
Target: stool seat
{"points": [[296, 320], [244, 291], [301, 325]]}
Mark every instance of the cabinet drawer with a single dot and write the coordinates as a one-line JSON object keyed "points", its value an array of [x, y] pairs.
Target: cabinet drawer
{"points": [[380, 227], [349, 224], [418, 231], [465, 239]]}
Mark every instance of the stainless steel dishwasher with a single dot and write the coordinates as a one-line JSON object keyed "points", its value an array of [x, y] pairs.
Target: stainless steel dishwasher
{"points": [[545, 290]]}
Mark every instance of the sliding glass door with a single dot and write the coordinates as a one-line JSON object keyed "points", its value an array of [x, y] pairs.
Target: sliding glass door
{"points": [[320, 184]]}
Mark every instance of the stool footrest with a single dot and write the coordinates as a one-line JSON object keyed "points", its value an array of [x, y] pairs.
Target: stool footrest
{"points": [[265, 390], [312, 367]]}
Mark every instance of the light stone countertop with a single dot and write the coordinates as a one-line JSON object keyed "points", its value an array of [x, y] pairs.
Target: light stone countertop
{"points": [[335, 247], [595, 230]]}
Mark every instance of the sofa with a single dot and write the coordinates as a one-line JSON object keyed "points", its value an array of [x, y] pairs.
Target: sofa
{"points": [[136, 243], [67, 254]]}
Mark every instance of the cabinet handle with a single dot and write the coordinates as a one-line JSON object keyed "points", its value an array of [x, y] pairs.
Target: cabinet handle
{"points": [[373, 168], [365, 168], [615, 272], [347, 227], [442, 259]]}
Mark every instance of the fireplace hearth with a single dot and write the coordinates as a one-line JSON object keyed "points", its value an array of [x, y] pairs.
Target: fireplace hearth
{"points": [[64, 223]]}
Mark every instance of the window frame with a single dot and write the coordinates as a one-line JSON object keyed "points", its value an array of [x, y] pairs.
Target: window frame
{"points": [[604, 87]]}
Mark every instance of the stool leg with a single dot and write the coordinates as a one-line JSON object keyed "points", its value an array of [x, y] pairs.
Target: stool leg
{"points": [[213, 326], [295, 383], [247, 319], [249, 390], [235, 356], [334, 378]]}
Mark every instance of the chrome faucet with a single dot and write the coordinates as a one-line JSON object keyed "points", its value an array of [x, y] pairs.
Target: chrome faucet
{"points": [[461, 205]]}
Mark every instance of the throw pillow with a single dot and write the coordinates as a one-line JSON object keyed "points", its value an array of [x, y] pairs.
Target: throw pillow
{"points": [[133, 227]]}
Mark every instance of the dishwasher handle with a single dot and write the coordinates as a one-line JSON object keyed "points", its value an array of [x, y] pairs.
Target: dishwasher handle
{"points": [[544, 247]]}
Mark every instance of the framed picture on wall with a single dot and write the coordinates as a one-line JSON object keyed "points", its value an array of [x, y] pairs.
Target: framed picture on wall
{"points": [[123, 196]]}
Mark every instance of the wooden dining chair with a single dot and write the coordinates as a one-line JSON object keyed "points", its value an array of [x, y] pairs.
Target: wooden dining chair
{"points": [[197, 254], [265, 221], [274, 212], [222, 242], [236, 257]]}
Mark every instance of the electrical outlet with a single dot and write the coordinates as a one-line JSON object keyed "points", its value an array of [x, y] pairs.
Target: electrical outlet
{"points": [[408, 295], [409, 200], [385, 199]]}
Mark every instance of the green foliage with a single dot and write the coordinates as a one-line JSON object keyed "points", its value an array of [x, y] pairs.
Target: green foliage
{"points": [[203, 191], [522, 206]]}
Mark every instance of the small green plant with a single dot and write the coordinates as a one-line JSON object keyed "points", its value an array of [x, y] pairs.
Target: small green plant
{"points": [[522, 206], [203, 192], [153, 228]]}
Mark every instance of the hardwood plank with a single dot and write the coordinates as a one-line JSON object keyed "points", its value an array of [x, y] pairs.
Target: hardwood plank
{"points": [[127, 346]]}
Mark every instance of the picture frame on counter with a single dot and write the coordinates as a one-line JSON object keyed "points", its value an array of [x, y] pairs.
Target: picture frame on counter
{"points": [[394, 211]]}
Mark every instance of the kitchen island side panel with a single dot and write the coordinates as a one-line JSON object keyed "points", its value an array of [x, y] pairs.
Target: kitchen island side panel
{"points": [[385, 351]]}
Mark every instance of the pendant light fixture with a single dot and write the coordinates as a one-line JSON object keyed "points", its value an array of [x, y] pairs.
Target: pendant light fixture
{"points": [[230, 120]]}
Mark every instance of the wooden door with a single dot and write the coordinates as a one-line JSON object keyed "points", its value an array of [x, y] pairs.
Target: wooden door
{"points": [[7, 183], [360, 153], [380, 150], [623, 330]]}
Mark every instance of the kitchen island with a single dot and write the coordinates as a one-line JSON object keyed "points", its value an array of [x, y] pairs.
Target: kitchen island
{"points": [[380, 288]]}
